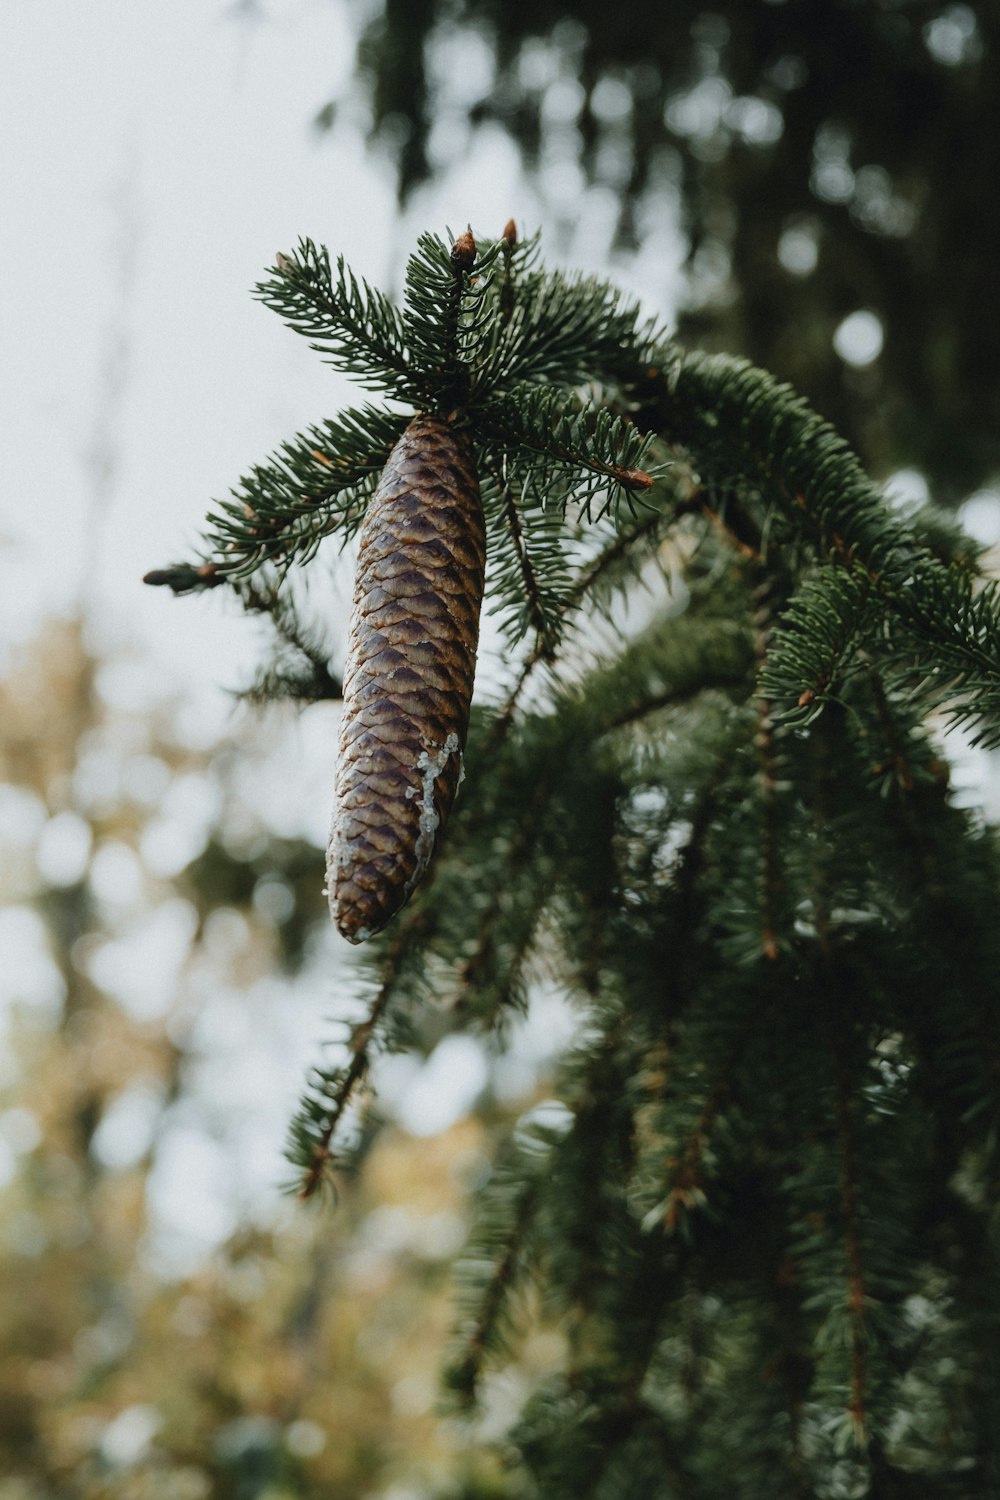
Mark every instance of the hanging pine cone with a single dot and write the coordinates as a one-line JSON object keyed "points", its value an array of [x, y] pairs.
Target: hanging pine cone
{"points": [[408, 678]]}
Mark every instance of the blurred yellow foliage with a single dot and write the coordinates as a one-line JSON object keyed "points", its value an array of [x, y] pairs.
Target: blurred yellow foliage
{"points": [[299, 1356]]}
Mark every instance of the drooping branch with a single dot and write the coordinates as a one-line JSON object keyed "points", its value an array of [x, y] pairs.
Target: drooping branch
{"points": [[736, 420]]}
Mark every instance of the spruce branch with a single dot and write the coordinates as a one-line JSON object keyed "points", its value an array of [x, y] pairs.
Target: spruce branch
{"points": [[448, 315], [613, 566], [186, 578], [733, 417], [314, 486], [857, 1296], [329, 1094], [302, 670], [817, 635], [531, 574], [506, 294], [491, 978], [310, 1147], [500, 1247], [685, 1180], [666, 666], [588, 451], [538, 617], [608, 563], [564, 331], [777, 930], [766, 745], [352, 325], [448, 352]]}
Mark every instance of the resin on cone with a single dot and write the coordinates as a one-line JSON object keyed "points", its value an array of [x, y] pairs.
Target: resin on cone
{"points": [[408, 677]]}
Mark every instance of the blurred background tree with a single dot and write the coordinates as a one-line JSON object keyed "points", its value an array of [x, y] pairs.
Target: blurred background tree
{"points": [[830, 167], [166, 1328]]}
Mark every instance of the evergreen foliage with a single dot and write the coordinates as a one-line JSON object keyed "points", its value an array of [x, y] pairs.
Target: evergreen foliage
{"points": [[760, 1211]]}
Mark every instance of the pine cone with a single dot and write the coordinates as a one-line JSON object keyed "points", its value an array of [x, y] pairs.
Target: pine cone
{"points": [[408, 678]]}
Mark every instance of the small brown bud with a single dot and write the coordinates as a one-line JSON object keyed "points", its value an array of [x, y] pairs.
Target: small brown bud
{"points": [[806, 697], [463, 251], [510, 233], [185, 577], [635, 479], [282, 262]]}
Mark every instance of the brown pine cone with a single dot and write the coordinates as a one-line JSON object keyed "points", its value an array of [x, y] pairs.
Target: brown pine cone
{"points": [[408, 678]]}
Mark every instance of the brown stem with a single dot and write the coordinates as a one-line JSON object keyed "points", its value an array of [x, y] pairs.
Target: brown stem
{"points": [[768, 784], [516, 531], [362, 1041], [846, 1143], [467, 1372], [852, 1241], [684, 1178]]}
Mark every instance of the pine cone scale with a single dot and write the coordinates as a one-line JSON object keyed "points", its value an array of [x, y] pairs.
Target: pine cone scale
{"points": [[409, 675]]}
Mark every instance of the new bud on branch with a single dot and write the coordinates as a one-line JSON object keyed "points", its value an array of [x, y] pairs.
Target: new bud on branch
{"points": [[409, 673]]}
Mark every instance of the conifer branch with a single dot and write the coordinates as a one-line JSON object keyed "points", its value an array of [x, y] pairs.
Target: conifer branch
{"points": [[897, 761], [817, 635], [322, 1109], [530, 572], [537, 614], [608, 559], [313, 1128], [313, 486], [920, 824], [856, 1292], [726, 677], [685, 1191], [793, 1364], [506, 294], [734, 418], [499, 1254], [488, 979], [588, 451], [770, 861], [748, 551], [355, 327], [645, 833], [504, 720], [620, 1413], [582, 590], [307, 678], [447, 316], [186, 578], [566, 331], [464, 1372], [693, 856]]}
